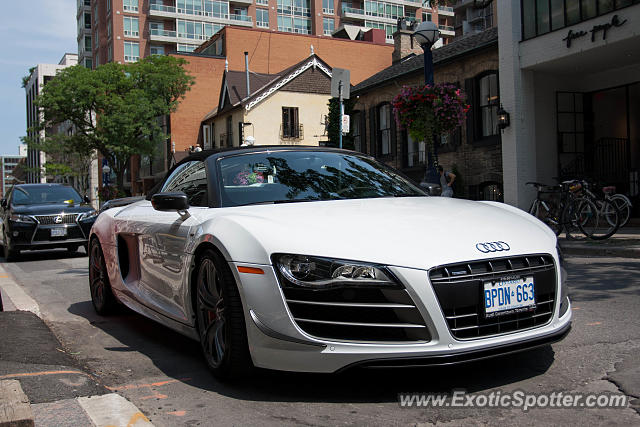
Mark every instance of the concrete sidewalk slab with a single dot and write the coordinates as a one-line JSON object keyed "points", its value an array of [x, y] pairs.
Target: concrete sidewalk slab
{"points": [[15, 410], [113, 410]]}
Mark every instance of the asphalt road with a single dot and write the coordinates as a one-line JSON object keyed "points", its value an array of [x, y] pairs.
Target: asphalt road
{"points": [[164, 375]]}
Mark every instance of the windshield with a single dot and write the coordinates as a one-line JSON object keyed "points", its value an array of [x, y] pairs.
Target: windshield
{"points": [[289, 176], [44, 195]]}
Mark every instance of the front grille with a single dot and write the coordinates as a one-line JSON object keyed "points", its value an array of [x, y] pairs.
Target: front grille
{"points": [[51, 219], [356, 314], [459, 289]]}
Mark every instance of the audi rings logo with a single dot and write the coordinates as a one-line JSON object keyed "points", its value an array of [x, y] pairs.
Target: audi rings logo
{"points": [[487, 247], [58, 219]]}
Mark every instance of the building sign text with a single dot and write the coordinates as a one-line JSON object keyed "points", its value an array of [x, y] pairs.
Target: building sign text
{"points": [[615, 22]]}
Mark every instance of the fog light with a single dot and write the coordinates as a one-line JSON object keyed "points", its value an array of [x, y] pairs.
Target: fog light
{"points": [[16, 233]]}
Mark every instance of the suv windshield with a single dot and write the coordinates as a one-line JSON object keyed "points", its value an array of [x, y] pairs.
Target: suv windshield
{"points": [[289, 176], [45, 194]]}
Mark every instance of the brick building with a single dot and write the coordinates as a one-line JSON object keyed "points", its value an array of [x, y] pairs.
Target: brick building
{"points": [[475, 150]]}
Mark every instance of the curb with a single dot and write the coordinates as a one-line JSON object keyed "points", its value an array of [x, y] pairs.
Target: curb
{"points": [[600, 251], [15, 410]]}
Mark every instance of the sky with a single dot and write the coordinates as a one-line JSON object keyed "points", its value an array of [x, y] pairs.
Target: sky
{"points": [[31, 32]]}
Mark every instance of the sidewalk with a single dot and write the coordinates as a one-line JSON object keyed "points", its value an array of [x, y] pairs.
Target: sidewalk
{"points": [[59, 391], [625, 243]]}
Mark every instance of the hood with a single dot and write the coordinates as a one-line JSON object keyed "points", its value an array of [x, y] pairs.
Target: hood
{"points": [[417, 232], [50, 209]]}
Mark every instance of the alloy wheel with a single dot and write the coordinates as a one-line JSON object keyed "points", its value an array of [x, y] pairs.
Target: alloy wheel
{"points": [[211, 313]]}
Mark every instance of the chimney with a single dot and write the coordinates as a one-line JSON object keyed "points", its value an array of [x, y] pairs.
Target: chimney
{"points": [[403, 42], [246, 67]]}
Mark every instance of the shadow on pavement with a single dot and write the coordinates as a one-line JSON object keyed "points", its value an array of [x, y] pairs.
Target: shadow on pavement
{"points": [[180, 358], [586, 284], [47, 255]]}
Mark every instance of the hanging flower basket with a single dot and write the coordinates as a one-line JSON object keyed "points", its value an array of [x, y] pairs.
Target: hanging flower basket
{"points": [[430, 110]]}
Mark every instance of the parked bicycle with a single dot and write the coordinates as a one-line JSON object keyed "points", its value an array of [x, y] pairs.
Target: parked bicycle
{"points": [[573, 208], [621, 201]]}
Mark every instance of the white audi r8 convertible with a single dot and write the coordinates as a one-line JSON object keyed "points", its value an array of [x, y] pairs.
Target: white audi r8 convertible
{"points": [[317, 259]]}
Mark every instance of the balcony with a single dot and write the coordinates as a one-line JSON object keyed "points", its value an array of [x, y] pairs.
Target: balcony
{"points": [[447, 30], [162, 35], [158, 10], [445, 10], [352, 13]]}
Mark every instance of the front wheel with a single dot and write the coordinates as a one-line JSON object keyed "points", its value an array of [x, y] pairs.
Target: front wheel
{"points": [[9, 253], [624, 206], [101, 295], [220, 318], [601, 219]]}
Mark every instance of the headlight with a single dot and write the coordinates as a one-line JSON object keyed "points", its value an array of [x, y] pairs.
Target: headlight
{"points": [[87, 215], [564, 290], [20, 218], [312, 272]]}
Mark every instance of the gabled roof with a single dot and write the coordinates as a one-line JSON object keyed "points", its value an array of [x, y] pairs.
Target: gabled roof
{"points": [[415, 63], [234, 85]]}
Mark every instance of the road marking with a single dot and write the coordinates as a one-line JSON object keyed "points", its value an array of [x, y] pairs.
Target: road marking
{"points": [[154, 396], [178, 413], [36, 374], [594, 323], [113, 410], [136, 386], [18, 297]]}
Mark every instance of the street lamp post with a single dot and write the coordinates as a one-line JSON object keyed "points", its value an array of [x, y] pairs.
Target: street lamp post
{"points": [[427, 34]]}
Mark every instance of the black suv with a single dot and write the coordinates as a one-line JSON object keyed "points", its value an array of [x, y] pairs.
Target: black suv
{"points": [[44, 216]]}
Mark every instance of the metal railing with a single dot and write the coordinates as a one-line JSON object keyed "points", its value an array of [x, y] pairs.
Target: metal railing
{"points": [[446, 28], [162, 33], [293, 132]]}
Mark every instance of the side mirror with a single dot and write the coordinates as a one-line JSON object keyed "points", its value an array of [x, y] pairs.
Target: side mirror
{"points": [[3, 203], [86, 199], [167, 202]]}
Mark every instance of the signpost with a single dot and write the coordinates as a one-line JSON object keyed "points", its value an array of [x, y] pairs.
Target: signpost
{"points": [[341, 89]]}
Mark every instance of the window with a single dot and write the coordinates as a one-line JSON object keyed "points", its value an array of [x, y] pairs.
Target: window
{"points": [[384, 130], [191, 179], [87, 21], [263, 2], [186, 47], [570, 122], [218, 9], [356, 120], [488, 103], [131, 28], [156, 28], [190, 30], [87, 2], [229, 131], [87, 43], [541, 16], [416, 152], [109, 30], [88, 63], [240, 11], [426, 17], [192, 7], [327, 6], [108, 6], [109, 53], [156, 50], [131, 51], [206, 136], [211, 29], [130, 5], [96, 40], [262, 18], [389, 29], [290, 125], [328, 26]]}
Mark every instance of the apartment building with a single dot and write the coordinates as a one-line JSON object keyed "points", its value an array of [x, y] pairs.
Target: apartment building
{"points": [[40, 75], [8, 164], [473, 16], [126, 30]]}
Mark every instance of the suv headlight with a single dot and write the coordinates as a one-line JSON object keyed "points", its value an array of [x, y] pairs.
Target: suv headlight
{"points": [[21, 218], [564, 290], [318, 272], [88, 215]]}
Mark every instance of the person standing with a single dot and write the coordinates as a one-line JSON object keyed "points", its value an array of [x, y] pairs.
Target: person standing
{"points": [[446, 182]]}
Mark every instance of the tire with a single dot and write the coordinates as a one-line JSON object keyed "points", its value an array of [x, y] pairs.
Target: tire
{"points": [[220, 319], [547, 212], [624, 206], [9, 254], [101, 295], [571, 219], [600, 219]]}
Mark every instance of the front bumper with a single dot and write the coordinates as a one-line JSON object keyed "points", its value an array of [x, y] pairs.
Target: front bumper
{"points": [[24, 236], [277, 342]]}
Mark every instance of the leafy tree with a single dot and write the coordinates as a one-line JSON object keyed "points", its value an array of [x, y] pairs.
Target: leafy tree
{"points": [[25, 79], [114, 109], [333, 123]]}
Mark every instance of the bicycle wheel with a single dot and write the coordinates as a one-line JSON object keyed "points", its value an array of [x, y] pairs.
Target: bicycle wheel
{"points": [[547, 212], [572, 217], [624, 206], [599, 220]]}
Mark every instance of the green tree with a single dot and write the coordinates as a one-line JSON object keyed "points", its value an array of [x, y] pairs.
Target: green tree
{"points": [[114, 109], [333, 123]]}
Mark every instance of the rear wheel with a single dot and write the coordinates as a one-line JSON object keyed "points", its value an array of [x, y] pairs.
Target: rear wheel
{"points": [[101, 295], [624, 206], [220, 319], [600, 219], [572, 216]]}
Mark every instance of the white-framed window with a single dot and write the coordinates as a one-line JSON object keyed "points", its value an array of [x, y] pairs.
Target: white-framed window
{"points": [[131, 51], [190, 30], [328, 25], [156, 50], [327, 7], [262, 18], [130, 5], [131, 26], [263, 2], [186, 47], [206, 136]]}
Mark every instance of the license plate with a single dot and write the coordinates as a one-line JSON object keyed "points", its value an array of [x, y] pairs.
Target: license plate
{"points": [[509, 295], [58, 232]]}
